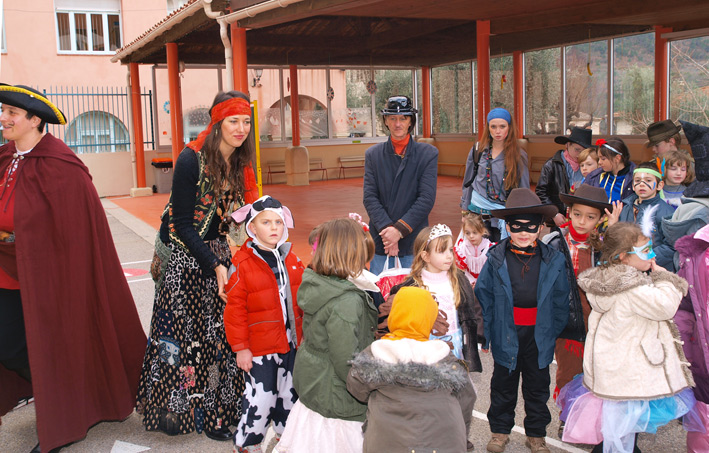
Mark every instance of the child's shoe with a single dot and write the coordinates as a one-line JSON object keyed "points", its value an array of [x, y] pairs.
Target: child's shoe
{"points": [[250, 449], [537, 445], [498, 442]]}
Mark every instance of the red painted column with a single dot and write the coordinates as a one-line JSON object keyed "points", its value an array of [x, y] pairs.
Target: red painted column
{"points": [[294, 110], [518, 76], [173, 79], [482, 28], [426, 101], [661, 74], [238, 49], [137, 114]]}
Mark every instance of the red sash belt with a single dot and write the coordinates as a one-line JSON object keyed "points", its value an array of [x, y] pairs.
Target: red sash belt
{"points": [[525, 316]]}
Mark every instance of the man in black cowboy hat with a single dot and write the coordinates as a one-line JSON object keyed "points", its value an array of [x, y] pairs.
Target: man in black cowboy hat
{"points": [[562, 171], [400, 177], [69, 330], [524, 295]]}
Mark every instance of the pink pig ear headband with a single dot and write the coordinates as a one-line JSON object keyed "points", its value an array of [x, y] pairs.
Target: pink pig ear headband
{"points": [[266, 203], [358, 218]]}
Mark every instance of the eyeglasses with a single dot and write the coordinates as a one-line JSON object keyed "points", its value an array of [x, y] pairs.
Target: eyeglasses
{"points": [[644, 252]]}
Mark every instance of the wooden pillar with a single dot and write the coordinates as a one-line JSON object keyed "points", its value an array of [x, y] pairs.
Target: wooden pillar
{"points": [[482, 29], [137, 124], [518, 80], [238, 49], [294, 110], [661, 110], [426, 101], [173, 79]]}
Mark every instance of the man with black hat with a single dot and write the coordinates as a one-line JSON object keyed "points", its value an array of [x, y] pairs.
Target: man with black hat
{"points": [[400, 178], [69, 330], [562, 171]]}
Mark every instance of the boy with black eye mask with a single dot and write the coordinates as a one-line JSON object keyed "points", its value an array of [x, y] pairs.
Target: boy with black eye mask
{"points": [[524, 295], [647, 208]]}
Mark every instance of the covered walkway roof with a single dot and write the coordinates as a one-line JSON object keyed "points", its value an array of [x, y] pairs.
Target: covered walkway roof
{"points": [[403, 32]]}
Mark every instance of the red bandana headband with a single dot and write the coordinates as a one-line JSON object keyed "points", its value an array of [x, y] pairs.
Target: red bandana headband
{"points": [[231, 107]]}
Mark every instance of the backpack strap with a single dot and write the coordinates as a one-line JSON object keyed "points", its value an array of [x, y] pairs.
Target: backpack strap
{"points": [[476, 164]]}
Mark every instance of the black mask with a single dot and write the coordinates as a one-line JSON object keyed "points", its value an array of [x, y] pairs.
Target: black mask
{"points": [[518, 227]]}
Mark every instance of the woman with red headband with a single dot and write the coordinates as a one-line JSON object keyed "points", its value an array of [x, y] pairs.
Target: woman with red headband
{"points": [[190, 380]]}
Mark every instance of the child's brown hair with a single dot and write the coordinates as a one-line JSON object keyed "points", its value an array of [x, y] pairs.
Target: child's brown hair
{"points": [[679, 157], [474, 222], [619, 238], [586, 153], [341, 250], [440, 244]]}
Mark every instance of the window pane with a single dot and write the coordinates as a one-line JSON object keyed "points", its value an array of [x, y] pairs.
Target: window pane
{"points": [[542, 91], [689, 79], [266, 89], [633, 83], [114, 31], [81, 32], [391, 82], [352, 104], [502, 83], [63, 31], [418, 102], [452, 99], [474, 100], [312, 104], [587, 87], [97, 32]]}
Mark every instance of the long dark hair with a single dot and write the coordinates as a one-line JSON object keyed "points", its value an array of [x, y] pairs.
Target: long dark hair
{"points": [[240, 158], [619, 145], [513, 156]]}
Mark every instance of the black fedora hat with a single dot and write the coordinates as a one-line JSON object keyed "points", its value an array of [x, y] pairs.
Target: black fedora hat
{"points": [[660, 131], [594, 197], [578, 135], [698, 137], [524, 201], [33, 101]]}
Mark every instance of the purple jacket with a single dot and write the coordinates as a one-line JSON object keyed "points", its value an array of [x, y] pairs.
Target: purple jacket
{"points": [[691, 317]]}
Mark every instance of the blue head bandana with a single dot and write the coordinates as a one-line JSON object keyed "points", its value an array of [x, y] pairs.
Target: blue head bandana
{"points": [[499, 113]]}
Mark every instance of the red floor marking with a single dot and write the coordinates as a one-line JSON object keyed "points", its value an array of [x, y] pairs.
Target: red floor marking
{"points": [[134, 272]]}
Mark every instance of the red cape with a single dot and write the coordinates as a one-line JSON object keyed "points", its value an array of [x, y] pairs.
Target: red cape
{"points": [[84, 337]]}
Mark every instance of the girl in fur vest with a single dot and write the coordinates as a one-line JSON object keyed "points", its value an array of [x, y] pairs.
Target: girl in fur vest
{"points": [[636, 377], [419, 395]]}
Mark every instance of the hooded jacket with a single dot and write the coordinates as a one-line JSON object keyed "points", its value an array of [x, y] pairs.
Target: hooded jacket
{"points": [[691, 318], [688, 218], [633, 349], [419, 396], [611, 184], [339, 321], [253, 317], [664, 251], [494, 291]]}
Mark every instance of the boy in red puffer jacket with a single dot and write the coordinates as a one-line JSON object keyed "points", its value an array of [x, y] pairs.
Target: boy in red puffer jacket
{"points": [[262, 319]]}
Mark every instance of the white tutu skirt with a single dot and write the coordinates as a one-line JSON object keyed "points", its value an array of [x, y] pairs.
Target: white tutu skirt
{"points": [[309, 432]]}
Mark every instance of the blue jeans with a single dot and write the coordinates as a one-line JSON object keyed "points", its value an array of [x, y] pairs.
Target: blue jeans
{"points": [[377, 264]]}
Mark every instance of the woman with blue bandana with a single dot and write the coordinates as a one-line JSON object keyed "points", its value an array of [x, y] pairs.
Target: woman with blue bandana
{"points": [[495, 166]]}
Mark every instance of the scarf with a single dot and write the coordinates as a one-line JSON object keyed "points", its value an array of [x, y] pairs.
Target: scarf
{"points": [[400, 145], [574, 163]]}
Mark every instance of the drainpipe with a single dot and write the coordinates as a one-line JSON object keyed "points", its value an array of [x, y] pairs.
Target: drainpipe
{"points": [[134, 168], [228, 19]]}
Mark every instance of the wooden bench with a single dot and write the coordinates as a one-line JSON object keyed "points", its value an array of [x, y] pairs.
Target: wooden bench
{"points": [[279, 166], [535, 168], [460, 167], [316, 165], [349, 162]]}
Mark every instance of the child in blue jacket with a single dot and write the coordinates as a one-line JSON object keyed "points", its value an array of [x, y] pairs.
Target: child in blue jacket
{"points": [[524, 296]]}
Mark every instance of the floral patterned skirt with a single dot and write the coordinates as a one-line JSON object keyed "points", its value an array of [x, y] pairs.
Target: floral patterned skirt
{"points": [[190, 380]]}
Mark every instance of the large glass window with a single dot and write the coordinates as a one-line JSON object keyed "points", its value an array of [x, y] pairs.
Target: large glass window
{"points": [[689, 80], [587, 87], [633, 83], [96, 132], [353, 117], [312, 104], [452, 105], [88, 32], [390, 82], [542, 74], [265, 87], [502, 83]]}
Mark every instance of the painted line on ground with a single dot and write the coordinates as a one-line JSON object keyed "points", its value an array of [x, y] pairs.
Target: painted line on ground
{"points": [[137, 262], [553, 442], [140, 280]]}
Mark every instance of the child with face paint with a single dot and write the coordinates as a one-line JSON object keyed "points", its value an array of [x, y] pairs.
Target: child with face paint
{"points": [[646, 208], [262, 319], [524, 293], [636, 377]]}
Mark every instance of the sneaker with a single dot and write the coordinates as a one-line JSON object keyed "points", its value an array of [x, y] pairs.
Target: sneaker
{"points": [[498, 442], [537, 445]]}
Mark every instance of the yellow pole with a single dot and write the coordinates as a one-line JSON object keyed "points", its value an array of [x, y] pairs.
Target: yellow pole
{"points": [[257, 141]]}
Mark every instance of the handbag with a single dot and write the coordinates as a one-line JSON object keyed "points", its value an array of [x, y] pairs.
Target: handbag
{"points": [[391, 276], [161, 257]]}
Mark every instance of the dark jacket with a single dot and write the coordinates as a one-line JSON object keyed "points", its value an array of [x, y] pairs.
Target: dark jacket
{"points": [[339, 321], [494, 291], [576, 328], [553, 180], [665, 252], [599, 178], [399, 192], [466, 319]]}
